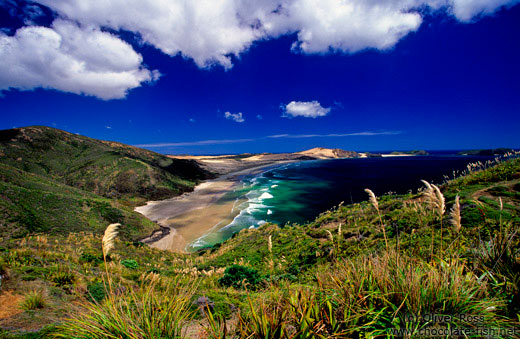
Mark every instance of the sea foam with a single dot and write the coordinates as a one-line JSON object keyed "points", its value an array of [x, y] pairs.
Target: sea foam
{"points": [[265, 196]]}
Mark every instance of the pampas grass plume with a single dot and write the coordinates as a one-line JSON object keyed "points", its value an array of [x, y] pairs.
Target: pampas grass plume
{"points": [[439, 199], [455, 215], [109, 238], [330, 236], [270, 244], [429, 193], [372, 198]]}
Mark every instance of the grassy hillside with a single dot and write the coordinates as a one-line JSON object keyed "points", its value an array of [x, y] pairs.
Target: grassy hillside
{"points": [[357, 271], [56, 182], [31, 203], [105, 168]]}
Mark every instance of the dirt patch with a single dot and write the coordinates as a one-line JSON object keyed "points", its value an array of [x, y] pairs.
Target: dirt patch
{"points": [[484, 192], [10, 304]]}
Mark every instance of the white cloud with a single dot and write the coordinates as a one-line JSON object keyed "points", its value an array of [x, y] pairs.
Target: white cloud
{"points": [[70, 58], [86, 60], [465, 10], [210, 32], [108, 127], [237, 117], [192, 120], [259, 117], [306, 109], [206, 31]]}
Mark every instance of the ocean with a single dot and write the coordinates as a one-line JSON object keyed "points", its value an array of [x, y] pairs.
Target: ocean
{"points": [[299, 192]]}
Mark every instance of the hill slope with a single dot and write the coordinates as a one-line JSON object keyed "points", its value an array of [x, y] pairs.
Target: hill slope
{"points": [[56, 182], [106, 168]]}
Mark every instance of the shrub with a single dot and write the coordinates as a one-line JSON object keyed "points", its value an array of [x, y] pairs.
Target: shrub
{"points": [[33, 301], [241, 277], [62, 277], [130, 263], [90, 257], [96, 291]]}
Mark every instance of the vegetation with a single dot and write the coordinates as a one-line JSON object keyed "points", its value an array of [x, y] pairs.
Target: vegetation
{"points": [[57, 182], [395, 266], [240, 277], [106, 168], [33, 301]]}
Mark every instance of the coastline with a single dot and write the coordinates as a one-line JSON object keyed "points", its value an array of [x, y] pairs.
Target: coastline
{"points": [[187, 217]]}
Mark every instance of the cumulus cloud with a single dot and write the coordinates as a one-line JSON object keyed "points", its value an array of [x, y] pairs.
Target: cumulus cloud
{"points": [[70, 58], [76, 55], [207, 31], [211, 32], [306, 109], [237, 117]]}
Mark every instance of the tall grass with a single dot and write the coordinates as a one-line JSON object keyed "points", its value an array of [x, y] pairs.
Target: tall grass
{"points": [[148, 312], [33, 300], [154, 310], [373, 201]]}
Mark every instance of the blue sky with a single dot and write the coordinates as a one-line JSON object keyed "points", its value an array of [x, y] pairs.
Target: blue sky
{"points": [[439, 75]]}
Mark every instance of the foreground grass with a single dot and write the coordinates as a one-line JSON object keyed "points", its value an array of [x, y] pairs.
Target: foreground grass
{"points": [[335, 277]]}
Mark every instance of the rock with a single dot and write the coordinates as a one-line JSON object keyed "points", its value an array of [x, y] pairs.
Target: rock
{"points": [[204, 303]]}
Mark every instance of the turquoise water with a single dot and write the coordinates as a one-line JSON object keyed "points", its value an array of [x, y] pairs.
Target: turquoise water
{"points": [[298, 192]]}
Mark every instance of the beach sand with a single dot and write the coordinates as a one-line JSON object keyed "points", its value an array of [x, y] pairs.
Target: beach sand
{"points": [[186, 218]]}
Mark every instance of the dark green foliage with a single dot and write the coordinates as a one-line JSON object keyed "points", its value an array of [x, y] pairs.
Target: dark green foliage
{"points": [[91, 258], [130, 263], [153, 270], [96, 291], [62, 277], [33, 301], [241, 277], [30, 273], [3, 267], [107, 212]]}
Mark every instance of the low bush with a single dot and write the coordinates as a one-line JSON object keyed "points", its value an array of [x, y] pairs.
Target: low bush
{"points": [[96, 291], [241, 277], [62, 277], [91, 258], [130, 263], [33, 300]]}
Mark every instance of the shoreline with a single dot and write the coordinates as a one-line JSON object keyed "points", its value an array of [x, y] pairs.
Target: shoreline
{"points": [[185, 218]]}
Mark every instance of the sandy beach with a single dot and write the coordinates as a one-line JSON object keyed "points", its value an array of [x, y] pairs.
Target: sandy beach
{"points": [[186, 218]]}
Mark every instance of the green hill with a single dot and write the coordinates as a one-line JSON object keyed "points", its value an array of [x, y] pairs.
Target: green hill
{"points": [[56, 182], [109, 169]]}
